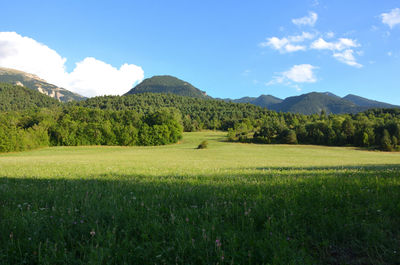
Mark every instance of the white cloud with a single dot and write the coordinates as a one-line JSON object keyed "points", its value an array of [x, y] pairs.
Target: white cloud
{"points": [[307, 20], [94, 77], [341, 44], [300, 38], [392, 18], [275, 43], [91, 77], [294, 48], [286, 44], [347, 57], [342, 50], [302, 73]]}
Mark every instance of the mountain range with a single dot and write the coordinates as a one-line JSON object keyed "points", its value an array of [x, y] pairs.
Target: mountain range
{"points": [[315, 102], [309, 103]]}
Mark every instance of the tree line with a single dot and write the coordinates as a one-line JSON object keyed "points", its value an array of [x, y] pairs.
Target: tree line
{"points": [[375, 128], [137, 120], [73, 125]]}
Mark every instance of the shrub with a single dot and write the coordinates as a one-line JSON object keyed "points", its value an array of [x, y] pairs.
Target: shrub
{"points": [[203, 145]]}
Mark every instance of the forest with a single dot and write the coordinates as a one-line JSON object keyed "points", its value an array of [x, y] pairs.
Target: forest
{"points": [[374, 128], [73, 126], [29, 120]]}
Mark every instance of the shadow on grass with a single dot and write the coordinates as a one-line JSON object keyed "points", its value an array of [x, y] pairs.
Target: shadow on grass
{"points": [[324, 215]]}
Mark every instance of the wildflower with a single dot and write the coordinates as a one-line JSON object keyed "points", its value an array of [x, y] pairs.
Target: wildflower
{"points": [[187, 219], [92, 233], [81, 221], [222, 257], [218, 243], [11, 235]]}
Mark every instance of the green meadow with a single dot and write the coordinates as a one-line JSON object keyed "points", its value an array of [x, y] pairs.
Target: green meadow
{"points": [[231, 203]]}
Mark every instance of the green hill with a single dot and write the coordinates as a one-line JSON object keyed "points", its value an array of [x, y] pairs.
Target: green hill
{"points": [[33, 82], [316, 102], [264, 101], [167, 84], [14, 97]]}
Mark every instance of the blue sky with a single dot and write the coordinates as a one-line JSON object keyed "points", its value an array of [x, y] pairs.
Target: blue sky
{"points": [[227, 48]]}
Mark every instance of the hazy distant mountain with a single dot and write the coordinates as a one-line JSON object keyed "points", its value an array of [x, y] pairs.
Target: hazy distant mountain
{"points": [[167, 84], [316, 102], [264, 101], [31, 81], [13, 97], [364, 102]]}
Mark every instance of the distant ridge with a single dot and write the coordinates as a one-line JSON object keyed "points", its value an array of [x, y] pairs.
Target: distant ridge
{"points": [[364, 102], [33, 82], [167, 84], [265, 101], [316, 102]]}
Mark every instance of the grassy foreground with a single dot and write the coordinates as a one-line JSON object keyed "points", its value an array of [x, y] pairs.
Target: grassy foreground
{"points": [[229, 204]]}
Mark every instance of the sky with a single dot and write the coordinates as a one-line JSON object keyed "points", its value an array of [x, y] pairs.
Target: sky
{"points": [[230, 49]]}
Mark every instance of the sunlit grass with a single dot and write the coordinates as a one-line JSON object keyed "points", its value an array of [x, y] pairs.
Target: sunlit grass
{"points": [[229, 204]]}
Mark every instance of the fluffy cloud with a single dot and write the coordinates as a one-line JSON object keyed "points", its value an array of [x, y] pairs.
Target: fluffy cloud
{"points": [[392, 18], [342, 50], [91, 77], [300, 38], [309, 20], [341, 44], [347, 57], [288, 44], [302, 73]]}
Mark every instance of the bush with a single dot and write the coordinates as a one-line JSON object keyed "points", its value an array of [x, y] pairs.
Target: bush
{"points": [[203, 145]]}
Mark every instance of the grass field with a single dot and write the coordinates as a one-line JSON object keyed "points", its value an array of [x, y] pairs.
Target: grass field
{"points": [[229, 204]]}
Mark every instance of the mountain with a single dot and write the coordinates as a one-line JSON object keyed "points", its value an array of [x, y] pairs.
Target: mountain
{"points": [[167, 84], [264, 101], [13, 98], [364, 102], [330, 94], [31, 81], [305, 104], [316, 102]]}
